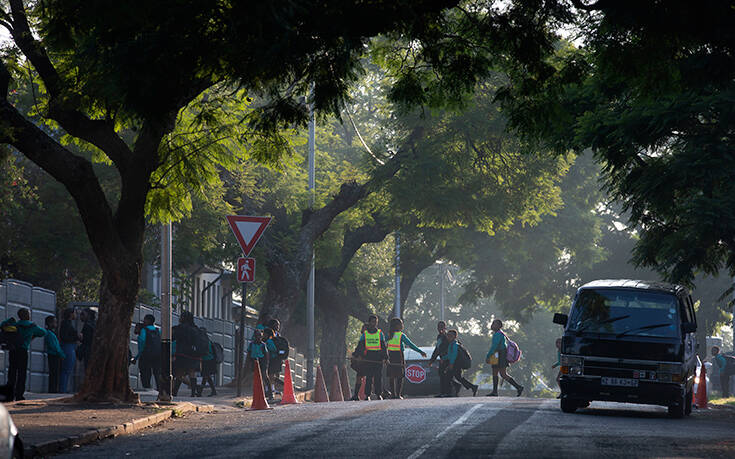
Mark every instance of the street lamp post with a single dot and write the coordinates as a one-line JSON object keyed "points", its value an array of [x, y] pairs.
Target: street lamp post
{"points": [[164, 390], [311, 345], [397, 308]]}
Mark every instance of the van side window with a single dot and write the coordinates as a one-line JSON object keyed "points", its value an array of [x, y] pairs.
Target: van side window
{"points": [[686, 315], [691, 309]]}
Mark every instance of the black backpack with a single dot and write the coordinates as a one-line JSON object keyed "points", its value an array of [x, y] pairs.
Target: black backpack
{"points": [[201, 343], [152, 343], [464, 359], [10, 336], [281, 346], [729, 363], [219, 353]]}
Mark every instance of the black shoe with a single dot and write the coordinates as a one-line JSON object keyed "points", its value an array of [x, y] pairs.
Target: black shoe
{"points": [[492, 394], [520, 391], [355, 398], [213, 393], [474, 389]]}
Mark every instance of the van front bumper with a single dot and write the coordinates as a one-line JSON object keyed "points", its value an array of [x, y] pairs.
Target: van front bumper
{"points": [[648, 392]]}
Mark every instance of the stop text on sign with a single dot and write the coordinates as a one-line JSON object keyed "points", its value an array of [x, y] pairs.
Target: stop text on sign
{"points": [[415, 374]]}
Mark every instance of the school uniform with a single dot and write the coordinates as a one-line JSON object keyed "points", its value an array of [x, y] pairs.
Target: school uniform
{"points": [[725, 374], [455, 374], [397, 368], [440, 352], [149, 359], [373, 350], [498, 345], [55, 355], [258, 352]]}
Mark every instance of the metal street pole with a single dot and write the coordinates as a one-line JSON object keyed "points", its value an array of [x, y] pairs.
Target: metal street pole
{"points": [[441, 287], [311, 347], [164, 390], [241, 340], [397, 309]]}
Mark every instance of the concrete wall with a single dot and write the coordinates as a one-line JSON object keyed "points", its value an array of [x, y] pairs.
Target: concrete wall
{"points": [[15, 294]]}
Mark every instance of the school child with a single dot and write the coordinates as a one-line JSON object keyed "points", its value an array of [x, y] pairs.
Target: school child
{"points": [[397, 340], [453, 369], [498, 355], [373, 350], [440, 352], [356, 364], [269, 336], [54, 354], [258, 355]]}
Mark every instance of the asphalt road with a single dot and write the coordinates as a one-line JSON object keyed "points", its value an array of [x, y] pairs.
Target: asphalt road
{"points": [[430, 428]]}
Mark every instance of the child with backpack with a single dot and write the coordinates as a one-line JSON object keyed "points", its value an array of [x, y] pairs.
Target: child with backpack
{"points": [[209, 368], [258, 355], [497, 356], [21, 332], [459, 359], [149, 352]]}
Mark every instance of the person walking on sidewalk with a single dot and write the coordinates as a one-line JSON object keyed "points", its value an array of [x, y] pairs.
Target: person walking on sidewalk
{"points": [[356, 363], [373, 350], [209, 370], [498, 357], [726, 365], [54, 355], [89, 319], [440, 352], [258, 355], [186, 360], [397, 340], [69, 338], [149, 352], [26, 331], [454, 369]]}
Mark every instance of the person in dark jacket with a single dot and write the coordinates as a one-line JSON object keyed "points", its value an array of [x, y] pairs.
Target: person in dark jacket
{"points": [[440, 352], [374, 351], [89, 319], [54, 354], [149, 352], [397, 342], [186, 363], [19, 356], [209, 370], [455, 371], [357, 365], [498, 351], [69, 338]]}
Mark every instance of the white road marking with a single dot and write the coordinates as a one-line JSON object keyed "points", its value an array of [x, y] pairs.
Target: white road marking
{"points": [[456, 423]]}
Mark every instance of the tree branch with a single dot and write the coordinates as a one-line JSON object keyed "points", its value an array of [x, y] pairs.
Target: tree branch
{"points": [[61, 108]]}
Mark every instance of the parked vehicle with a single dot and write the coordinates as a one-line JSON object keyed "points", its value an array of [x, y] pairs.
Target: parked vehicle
{"points": [[629, 341], [10, 444], [420, 379]]}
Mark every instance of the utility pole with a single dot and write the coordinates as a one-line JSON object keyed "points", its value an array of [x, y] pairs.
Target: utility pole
{"points": [[164, 391], [397, 309], [311, 346], [441, 288]]}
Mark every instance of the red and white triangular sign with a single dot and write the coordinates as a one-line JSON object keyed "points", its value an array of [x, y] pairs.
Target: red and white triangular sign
{"points": [[247, 230]]}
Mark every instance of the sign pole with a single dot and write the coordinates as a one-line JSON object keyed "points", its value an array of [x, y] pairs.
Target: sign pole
{"points": [[164, 388], [241, 341], [397, 309]]}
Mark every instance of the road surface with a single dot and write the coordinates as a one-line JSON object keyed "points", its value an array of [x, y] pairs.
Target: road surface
{"points": [[430, 428]]}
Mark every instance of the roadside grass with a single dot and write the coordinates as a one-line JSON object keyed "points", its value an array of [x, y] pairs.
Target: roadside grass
{"points": [[730, 401]]}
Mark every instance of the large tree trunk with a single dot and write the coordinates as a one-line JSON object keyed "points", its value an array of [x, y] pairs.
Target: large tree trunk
{"points": [[332, 346]]}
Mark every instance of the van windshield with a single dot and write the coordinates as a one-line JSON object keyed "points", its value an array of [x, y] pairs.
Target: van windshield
{"points": [[625, 312]]}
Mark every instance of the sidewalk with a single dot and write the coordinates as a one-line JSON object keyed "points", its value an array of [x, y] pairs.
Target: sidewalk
{"points": [[49, 423]]}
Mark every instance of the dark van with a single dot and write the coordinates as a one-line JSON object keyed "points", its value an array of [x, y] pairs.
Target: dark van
{"points": [[629, 341]]}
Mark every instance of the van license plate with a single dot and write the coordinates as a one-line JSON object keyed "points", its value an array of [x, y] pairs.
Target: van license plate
{"points": [[623, 382]]}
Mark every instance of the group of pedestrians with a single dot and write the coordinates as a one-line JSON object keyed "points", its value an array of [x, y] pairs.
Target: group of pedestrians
{"points": [[193, 352], [374, 351], [268, 349]]}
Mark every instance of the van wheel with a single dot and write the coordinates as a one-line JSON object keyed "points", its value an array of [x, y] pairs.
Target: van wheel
{"points": [[678, 410], [568, 406], [688, 406]]}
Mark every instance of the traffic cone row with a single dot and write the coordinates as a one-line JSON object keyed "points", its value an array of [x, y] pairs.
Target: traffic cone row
{"points": [[259, 401], [335, 389], [288, 397], [345, 380]]}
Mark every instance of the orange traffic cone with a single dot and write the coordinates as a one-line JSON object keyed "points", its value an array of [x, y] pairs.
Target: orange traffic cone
{"points": [[320, 389], [259, 401], [335, 390], [361, 395], [345, 380], [289, 398], [701, 397]]}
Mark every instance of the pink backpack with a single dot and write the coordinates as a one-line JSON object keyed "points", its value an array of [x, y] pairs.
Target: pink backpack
{"points": [[514, 353]]}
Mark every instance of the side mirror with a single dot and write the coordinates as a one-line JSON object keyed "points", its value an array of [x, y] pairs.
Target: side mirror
{"points": [[688, 327], [561, 319]]}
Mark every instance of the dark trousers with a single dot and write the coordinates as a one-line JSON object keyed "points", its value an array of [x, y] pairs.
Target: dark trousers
{"points": [[457, 375], [54, 368], [148, 368], [445, 378], [725, 383], [17, 372], [373, 378]]}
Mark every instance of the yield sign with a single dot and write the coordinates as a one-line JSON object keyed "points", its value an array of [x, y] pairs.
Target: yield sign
{"points": [[247, 230]]}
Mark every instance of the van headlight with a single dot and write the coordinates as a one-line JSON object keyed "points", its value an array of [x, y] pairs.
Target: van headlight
{"points": [[572, 365]]}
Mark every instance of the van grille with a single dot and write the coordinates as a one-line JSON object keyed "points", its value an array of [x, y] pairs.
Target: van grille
{"points": [[620, 369]]}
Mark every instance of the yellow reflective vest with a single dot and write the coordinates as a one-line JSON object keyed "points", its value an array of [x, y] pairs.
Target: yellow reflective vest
{"points": [[394, 344], [372, 341]]}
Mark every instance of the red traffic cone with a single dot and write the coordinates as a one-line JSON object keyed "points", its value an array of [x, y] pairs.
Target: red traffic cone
{"points": [[345, 380], [701, 397], [289, 398], [335, 390], [361, 395], [320, 389], [259, 401]]}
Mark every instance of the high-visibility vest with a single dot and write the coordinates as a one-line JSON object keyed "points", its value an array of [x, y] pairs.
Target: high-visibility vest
{"points": [[394, 344], [372, 341]]}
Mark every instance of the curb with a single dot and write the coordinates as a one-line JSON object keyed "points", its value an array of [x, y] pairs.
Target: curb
{"points": [[301, 397], [93, 435]]}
